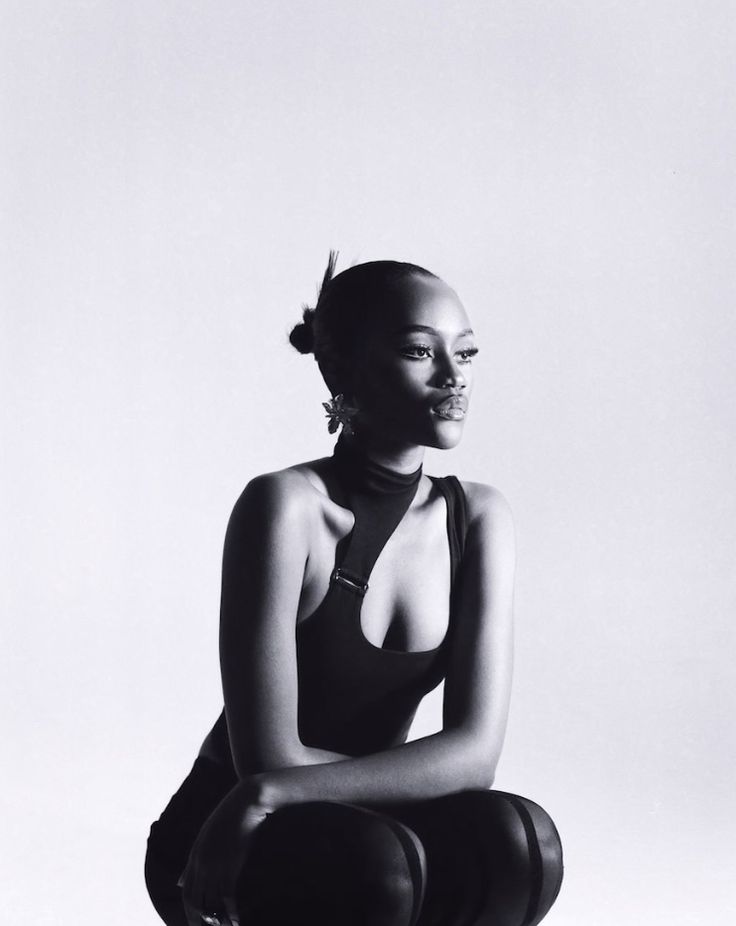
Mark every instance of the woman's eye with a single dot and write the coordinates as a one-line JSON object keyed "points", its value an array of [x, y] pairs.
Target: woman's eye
{"points": [[416, 351], [465, 356]]}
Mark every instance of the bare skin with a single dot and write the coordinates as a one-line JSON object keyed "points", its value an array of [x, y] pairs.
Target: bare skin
{"points": [[279, 553]]}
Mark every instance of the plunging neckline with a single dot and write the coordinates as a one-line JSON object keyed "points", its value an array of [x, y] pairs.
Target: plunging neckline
{"points": [[359, 610]]}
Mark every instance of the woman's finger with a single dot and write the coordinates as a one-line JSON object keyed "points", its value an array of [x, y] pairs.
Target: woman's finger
{"points": [[192, 914], [215, 900], [207, 914], [231, 910], [199, 897]]}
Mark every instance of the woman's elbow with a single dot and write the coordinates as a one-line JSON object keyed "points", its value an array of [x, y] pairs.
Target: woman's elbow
{"points": [[481, 775], [480, 761]]}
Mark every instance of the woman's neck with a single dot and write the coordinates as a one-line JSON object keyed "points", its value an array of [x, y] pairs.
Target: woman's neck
{"points": [[399, 457]]}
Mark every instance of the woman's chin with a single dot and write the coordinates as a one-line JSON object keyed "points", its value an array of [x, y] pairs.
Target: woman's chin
{"points": [[438, 433], [447, 436]]}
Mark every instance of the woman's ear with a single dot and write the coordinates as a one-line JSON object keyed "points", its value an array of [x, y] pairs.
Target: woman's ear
{"points": [[336, 378]]}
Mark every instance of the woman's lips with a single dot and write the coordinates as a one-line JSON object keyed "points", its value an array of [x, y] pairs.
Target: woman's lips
{"points": [[453, 409]]}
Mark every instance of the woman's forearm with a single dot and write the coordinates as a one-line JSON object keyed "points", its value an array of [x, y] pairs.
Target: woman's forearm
{"points": [[249, 766], [444, 762]]}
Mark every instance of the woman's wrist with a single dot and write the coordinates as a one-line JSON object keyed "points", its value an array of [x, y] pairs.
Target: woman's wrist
{"points": [[271, 790], [258, 795]]}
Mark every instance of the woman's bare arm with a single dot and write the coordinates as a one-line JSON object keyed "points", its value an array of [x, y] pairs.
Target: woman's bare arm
{"points": [[264, 562], [463, 755]]}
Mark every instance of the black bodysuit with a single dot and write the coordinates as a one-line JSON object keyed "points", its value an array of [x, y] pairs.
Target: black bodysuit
{"points": [[354, 697], [487, 858]]}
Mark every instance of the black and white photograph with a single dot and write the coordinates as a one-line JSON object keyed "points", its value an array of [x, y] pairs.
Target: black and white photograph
{"points": [[367, 455]]}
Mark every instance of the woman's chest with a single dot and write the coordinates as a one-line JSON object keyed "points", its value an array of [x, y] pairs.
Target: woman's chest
{"points": [[406, 606]]}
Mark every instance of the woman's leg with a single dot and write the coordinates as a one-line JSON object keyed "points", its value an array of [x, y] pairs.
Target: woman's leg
{"points": [[493, 859], [332, 864], [480, 858]]}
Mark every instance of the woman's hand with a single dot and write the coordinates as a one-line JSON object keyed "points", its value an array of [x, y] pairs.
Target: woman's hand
{"points": [[217, 857]]}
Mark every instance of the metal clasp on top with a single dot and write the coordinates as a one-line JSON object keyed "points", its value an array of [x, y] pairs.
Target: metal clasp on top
{"points": [[349, 581]]}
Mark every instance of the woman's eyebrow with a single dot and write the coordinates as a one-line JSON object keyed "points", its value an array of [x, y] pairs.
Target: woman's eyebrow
{"points": [[407, 329]]}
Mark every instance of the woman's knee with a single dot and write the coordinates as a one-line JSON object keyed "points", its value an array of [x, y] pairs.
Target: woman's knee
{"points": [[523, 835], [395, 875], [513, 819], [541, 835], [359, 866]]}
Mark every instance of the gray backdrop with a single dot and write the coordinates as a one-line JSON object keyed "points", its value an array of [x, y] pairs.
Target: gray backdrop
{"points": [[173, 175]]}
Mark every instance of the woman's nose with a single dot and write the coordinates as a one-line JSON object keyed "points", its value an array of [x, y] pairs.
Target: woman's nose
{"points": [[451, 374]]}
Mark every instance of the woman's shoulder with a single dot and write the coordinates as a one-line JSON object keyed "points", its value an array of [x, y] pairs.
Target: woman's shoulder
{"points": [[299, 479], [486, 505], [285, 493]]}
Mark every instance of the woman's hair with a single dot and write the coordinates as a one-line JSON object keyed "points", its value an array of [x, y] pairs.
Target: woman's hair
{"points": [[345, 307]]}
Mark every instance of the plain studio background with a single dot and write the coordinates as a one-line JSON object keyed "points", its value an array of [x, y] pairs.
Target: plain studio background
{"points": [[173, 175]]}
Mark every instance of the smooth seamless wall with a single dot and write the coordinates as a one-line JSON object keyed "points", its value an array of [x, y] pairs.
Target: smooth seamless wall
{"points": [[173, 176]]}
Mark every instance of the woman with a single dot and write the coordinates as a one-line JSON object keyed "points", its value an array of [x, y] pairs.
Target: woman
{"points": [[352, 585]]}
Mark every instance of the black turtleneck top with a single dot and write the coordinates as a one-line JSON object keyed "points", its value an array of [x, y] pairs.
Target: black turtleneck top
{"points": [[354, 697]]}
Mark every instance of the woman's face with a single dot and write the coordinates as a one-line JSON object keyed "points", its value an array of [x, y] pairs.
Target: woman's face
{"points": [[413, 377]]}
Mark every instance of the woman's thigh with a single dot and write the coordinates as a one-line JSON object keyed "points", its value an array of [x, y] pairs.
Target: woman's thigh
{"points": [[492, 858]]}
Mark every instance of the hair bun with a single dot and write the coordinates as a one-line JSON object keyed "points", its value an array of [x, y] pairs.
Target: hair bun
{"points": [[302, 335]]}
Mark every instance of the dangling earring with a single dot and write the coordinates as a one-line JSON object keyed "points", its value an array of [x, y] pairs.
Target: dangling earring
{"points": [[339, 413]]}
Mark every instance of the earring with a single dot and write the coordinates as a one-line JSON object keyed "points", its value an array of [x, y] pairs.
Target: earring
{"points": [[339, 413]]}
